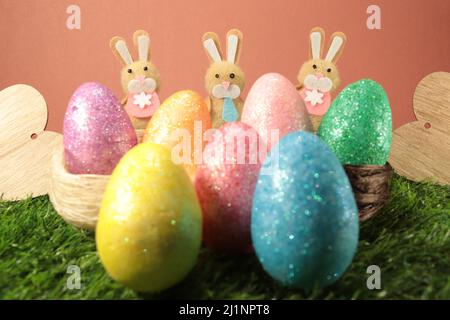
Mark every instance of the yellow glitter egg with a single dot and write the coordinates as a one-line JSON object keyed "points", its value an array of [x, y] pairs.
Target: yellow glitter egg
{"points": [[149, 228], [180, 124]]}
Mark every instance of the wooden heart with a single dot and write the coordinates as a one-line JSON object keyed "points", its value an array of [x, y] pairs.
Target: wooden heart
{"points": [[25, 148], [421, 149]]}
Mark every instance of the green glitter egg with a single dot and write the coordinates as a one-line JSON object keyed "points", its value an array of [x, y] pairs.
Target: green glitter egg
{"points": [[358, 125]]}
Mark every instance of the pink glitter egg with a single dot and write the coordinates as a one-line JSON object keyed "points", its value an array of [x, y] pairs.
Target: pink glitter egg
{"points": [[225, 182], [274, 108], [97, 131]]}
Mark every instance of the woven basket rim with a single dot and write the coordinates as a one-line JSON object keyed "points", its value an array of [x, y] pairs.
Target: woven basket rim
{"points": [[75, 197], [371, 187], [369, 166]]}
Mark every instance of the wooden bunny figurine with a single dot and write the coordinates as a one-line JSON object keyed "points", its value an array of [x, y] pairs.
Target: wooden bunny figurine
{"points": [[224, 79], [140, 79], [421, 149], [26, 147], [318, 77]]}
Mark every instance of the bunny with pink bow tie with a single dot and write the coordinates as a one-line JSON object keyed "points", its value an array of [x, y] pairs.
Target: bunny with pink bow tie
{"points": [[140, 79], [319, 76]]}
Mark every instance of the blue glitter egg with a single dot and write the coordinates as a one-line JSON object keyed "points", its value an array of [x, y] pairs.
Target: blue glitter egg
{"points": [[304, 218]]}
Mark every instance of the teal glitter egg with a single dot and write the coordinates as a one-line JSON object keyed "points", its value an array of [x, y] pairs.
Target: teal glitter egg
{"points": [[358, 125], [304, 218]]}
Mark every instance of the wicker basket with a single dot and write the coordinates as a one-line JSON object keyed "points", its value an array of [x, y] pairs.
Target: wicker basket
{"points": [[76, 197], [371, 185]]}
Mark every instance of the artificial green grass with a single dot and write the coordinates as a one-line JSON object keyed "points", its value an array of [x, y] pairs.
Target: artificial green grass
{"points": [[409, 240]]}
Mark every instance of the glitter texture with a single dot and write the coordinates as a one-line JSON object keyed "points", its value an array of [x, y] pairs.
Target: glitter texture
{"points": [[225, 183], [273, 103], [358, 125], [97, 131], [149, 228], [181, 120], [304, 218]]}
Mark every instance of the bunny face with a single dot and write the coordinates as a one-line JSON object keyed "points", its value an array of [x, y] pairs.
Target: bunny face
{"points": [[321, 73], [140, 76], [136, 76], [224, 78]]}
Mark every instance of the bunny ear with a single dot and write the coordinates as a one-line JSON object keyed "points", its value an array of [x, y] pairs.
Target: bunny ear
{"points": [[316, 37], [142, 42], [336, 47], [120, 50], [234, 45], [212, 46]]}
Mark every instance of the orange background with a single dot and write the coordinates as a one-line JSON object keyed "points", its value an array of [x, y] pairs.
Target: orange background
{"points": [[38, 49]]}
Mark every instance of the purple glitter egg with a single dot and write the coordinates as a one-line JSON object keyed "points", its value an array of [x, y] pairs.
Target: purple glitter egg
{"points": [[97, 131]]}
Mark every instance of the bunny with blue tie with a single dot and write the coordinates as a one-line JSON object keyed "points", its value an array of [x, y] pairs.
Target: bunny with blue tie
{"points": [[224, 79]]}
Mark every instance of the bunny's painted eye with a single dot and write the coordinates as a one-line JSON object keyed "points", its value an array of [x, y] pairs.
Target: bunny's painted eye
{"points": [[130, 71], [314, 66], [232, 75], [217, 75], [329, 70], [145, 68]]}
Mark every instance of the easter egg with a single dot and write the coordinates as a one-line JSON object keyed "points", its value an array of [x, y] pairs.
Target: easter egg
{"points": [[304, 218], [97, 131], [358, 125], [179, 124], [225, 182], [274, 108], [149, 228]]}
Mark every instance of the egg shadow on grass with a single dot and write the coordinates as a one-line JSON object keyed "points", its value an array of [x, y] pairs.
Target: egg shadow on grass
{"points": [[389, 219], [228, 277], [218, 276]]}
